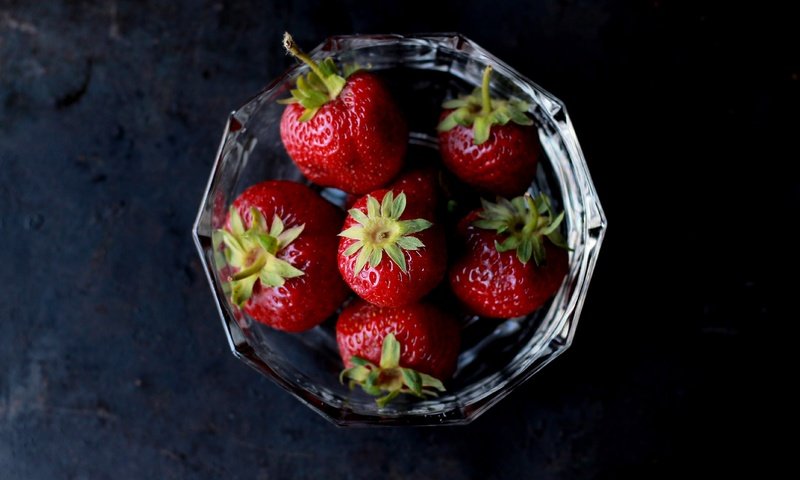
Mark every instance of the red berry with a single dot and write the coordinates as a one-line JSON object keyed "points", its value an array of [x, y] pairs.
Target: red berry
{"points": [[422, 184], [346, 133], [503, 165], [488, 143], [279, 244], [390, 252], [495, 276], [430, 336]]}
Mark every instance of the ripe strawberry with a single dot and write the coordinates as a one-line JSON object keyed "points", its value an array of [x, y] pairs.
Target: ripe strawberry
{"points": [[495, 277], [397, 350], [422, 184], [283, 274], [489, 144], [342, 131], [415, 264]]}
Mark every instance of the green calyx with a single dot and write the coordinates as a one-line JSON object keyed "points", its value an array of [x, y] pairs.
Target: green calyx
{"points": [[389, 377], [321, 85], [253, 253], [381, 231], [525, 221], [479, 111]]}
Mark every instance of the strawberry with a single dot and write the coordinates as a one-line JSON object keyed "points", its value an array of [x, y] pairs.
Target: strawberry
{"points": [[342, 131], [495, 277], [421, 183], [394, 350], [279, 246], [488, 143], [412, 265]]}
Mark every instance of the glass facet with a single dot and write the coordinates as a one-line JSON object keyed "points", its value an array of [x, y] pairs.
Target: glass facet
{"points": [[497, 355]]}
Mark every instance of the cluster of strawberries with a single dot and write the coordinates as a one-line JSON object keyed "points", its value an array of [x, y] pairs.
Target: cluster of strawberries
{"points": [[293, 258]]}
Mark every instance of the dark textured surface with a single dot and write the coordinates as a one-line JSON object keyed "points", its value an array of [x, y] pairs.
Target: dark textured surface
{"points": [[112, 360]]}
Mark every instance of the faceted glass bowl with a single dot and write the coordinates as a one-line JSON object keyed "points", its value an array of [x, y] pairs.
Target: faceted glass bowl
{"points": [[496, 355]]}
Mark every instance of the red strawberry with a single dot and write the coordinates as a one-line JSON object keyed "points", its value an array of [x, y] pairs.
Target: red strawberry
{"points": [[489, 144], [397, 350], [495, 277], [412, 265], [280, 242], [343, 132], [422, 184]]}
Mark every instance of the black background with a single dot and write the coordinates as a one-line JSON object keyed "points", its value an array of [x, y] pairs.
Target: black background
{"points": [[112, 360]]}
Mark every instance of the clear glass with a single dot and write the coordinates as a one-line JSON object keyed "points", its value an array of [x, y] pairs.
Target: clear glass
{"points": [[496, 356]]}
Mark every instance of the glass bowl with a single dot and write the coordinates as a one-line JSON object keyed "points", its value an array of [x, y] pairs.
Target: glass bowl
{"points": [[496, 356]]}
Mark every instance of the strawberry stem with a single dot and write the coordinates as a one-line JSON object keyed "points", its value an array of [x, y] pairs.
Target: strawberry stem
{"points": [[522, 223], [388, 377], [294, 50], [332, 82], [479, 111], [252, 253], [486, 100], [252, 269], [380, 231]]}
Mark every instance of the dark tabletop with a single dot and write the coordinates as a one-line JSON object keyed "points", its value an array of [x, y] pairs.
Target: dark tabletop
{"points": [[113, 363]]}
